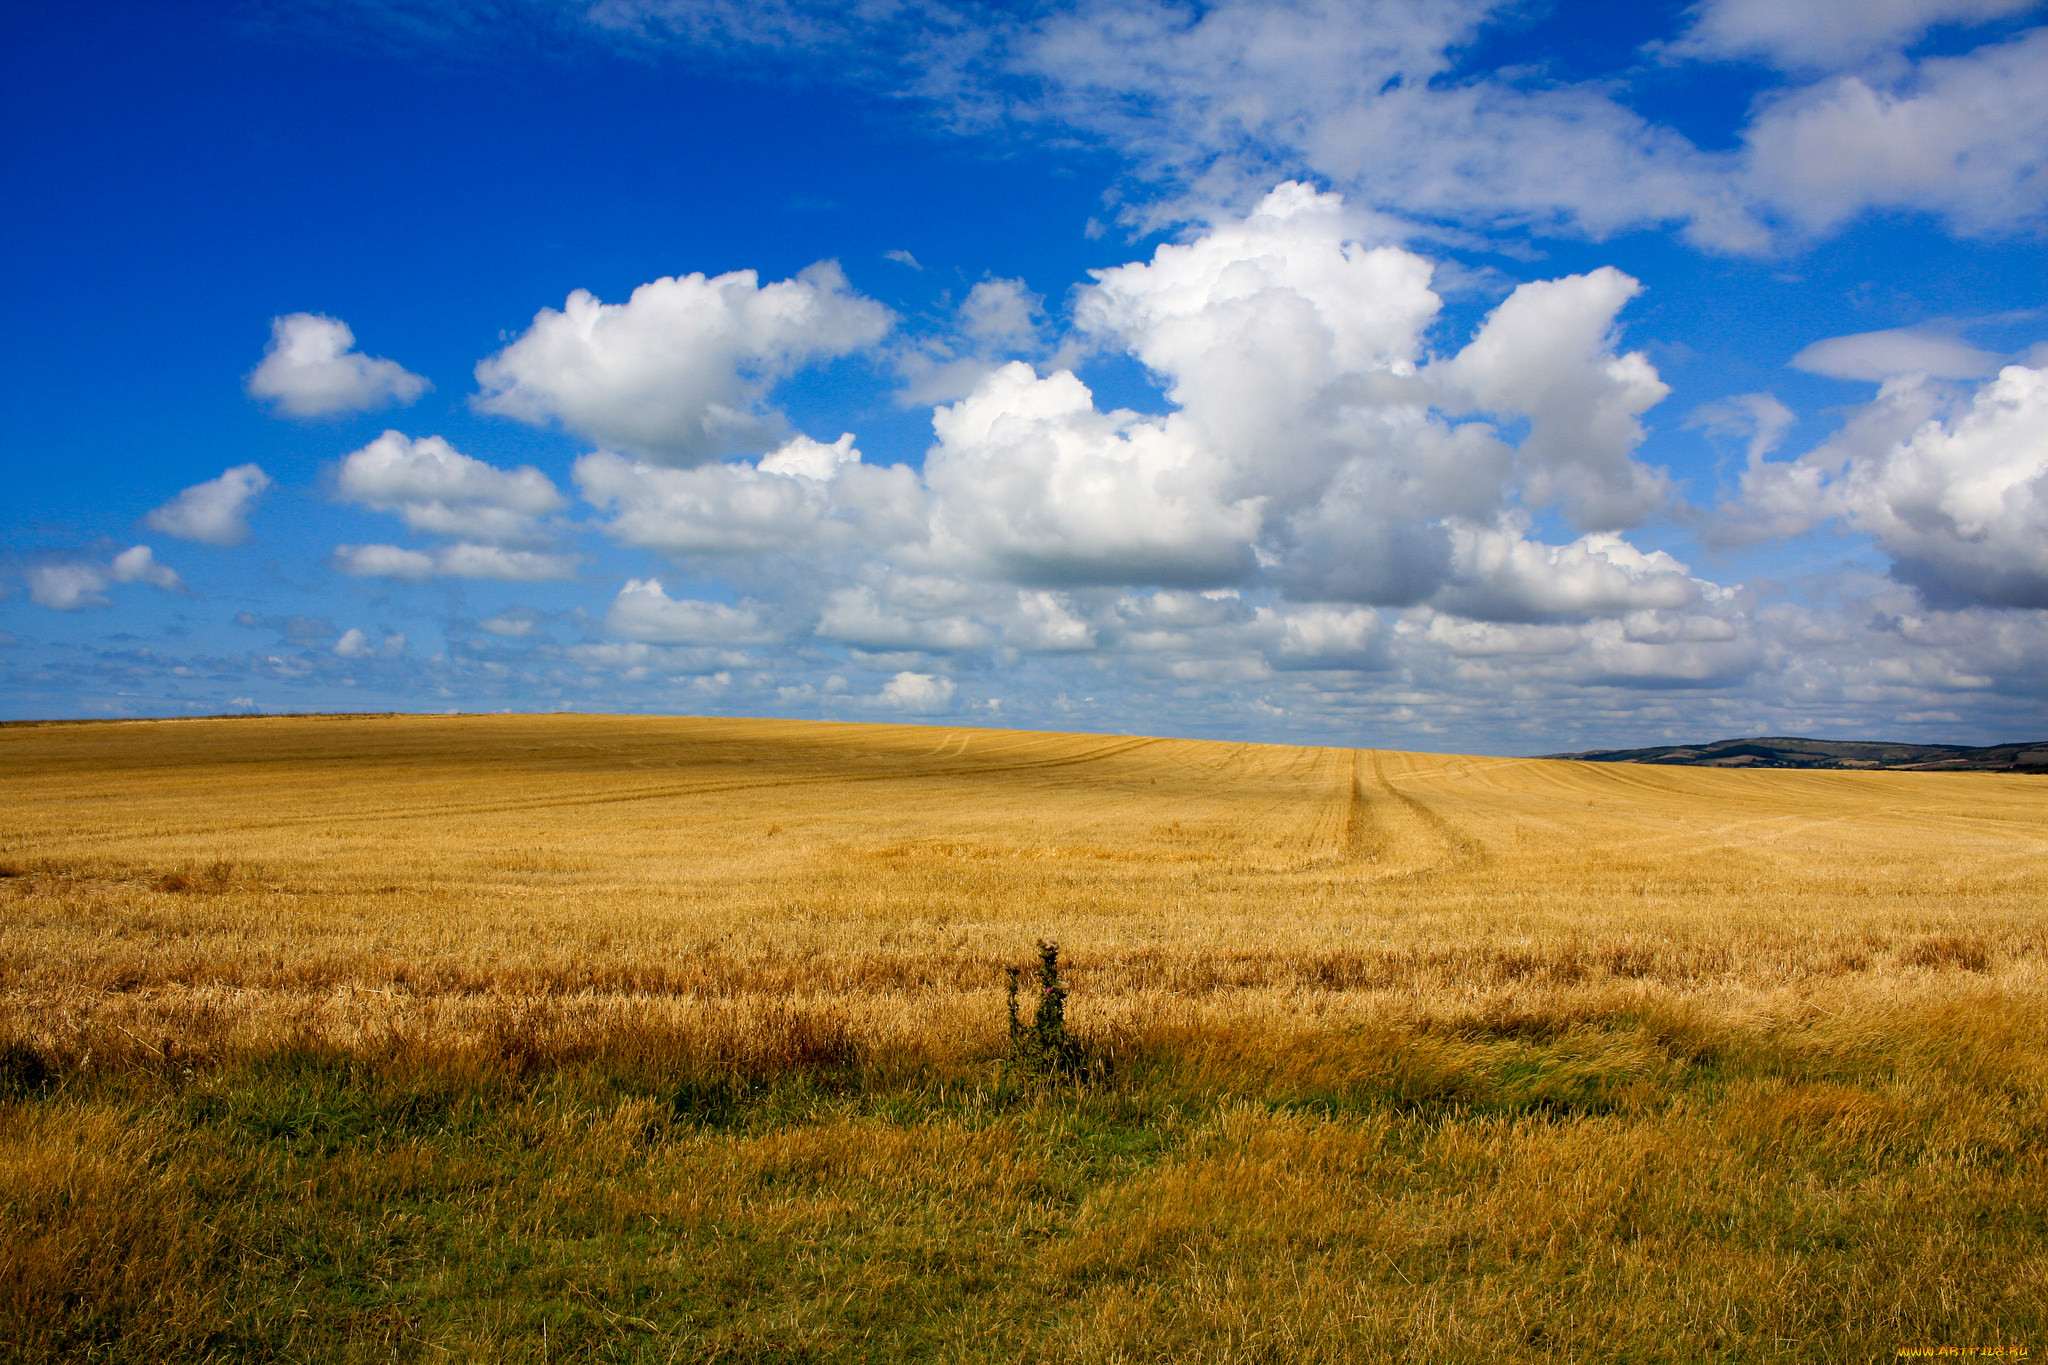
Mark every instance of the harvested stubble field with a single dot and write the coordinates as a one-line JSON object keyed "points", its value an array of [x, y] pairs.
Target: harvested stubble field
{"points": [[620, 1038]]}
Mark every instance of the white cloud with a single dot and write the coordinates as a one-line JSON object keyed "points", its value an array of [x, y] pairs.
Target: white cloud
{"points": [[1309, 448], [1955, 493], [1362, 93], [383, 561], [643, 611], [1291, 281], [496, 515], [1306, 436], [804, 495], [802, 458], [1046, 621], [1210, 102], [1261, 328], [912, 620], [461, 560], [1034, 483], [1961, 505], [1655, 650], [902, 257], [1548, 352], [1878, 356], [1881, 649], [1824, 34], [354, 644], [312, 369], [1490, 639], [998, 320], [1328, 637], [920, 693], [67, 587], [215, 512], [680, 372], [1002, 313], [137, 564], [1361, 508], [1964, 138], [1758, 419], [1498, 575], [440, 491], [77, 585]]}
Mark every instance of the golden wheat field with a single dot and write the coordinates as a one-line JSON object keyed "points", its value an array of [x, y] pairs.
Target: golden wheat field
{"points": [[617, 1037]]}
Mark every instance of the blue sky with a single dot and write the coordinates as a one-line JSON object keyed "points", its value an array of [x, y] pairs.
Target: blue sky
{"points": [[1456, 376]]}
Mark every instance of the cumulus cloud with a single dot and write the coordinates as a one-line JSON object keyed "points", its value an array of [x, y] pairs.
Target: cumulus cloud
{"points": [[67, 587], [1034, 483], [354, 644], [312, 369], [138, 564], [515, 624], [1307, 437], [496, 517], [1046, 621], [1323, 498], [1326, 637], [920, 693], [1310, 445], [999, 320], [1962, 137], [1002, 313], [1548, 353], [805, 494], [1956, 493], [912, 617], [643, 611], [680, 372], [461, 560], [1312, 453], [214, 512], [1961, 505], [1878, 356], [1334, 512], [1823, 34], [438, 490], [1259, 328], [1499, 575], [76, 585]]}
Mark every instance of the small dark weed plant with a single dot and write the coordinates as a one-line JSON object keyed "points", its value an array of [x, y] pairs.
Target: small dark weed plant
{"points": [[24, 1073], [1043, 1047]]}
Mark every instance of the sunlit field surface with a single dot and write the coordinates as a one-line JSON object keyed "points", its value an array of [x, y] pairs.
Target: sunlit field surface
{"points": [[624, 1038]]}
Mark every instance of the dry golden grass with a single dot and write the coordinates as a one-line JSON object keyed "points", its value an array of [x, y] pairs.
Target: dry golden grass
{"points": [[218, 879], [1414, 1056]]}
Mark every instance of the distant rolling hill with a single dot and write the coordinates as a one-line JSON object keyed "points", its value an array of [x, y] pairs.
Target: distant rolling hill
{"points": [[1778, 752]]}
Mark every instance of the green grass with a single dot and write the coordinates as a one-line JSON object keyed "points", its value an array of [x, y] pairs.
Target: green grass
{"points": [[1607, 1189]]}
